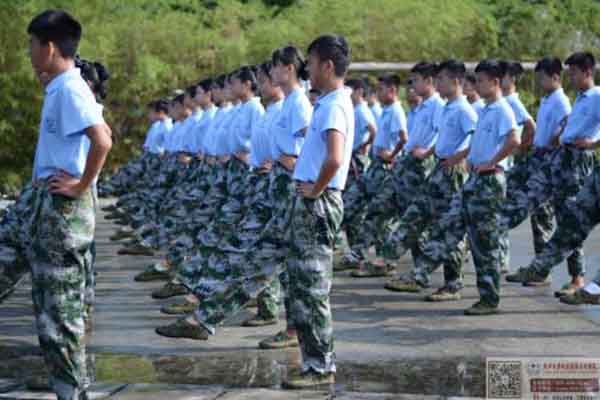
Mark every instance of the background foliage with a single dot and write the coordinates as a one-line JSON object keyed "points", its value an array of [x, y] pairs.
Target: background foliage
{"points": [[154, 46]]}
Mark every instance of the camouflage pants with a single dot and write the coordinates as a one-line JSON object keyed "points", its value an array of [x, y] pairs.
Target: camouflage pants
{"points": [[418, 222], [557, 181], [358, 195], [306, 245], [581, 215], [60, 232], [390, 202], [475, 212]]}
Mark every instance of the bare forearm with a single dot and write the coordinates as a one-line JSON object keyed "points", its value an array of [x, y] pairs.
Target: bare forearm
{"points": [[328, 171], [99, 148]]}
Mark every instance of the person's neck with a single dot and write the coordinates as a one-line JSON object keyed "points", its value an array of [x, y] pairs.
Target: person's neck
{"points": [[508, 91], [428, 94], [454, 95], [245, 97], [225, 104], [474, 98], [186, 114], [587, 85], [289, 87], [497, 95], [207, 106], [552, 89], [276, 97], [331, 86], [61, 66], [391, 101]]}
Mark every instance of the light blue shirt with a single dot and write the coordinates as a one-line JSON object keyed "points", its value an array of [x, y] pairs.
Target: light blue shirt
{"points": [[363, 117], [199, 130], [410, 118], [554, 109], [248, 117], [584, 121], [424, 133], [295, 116], [226, 129], [69, 109], [156, 136], [333, 111], [376, 110], [389, 126], [521, 113], [455, 126], [262, 135], [184, 135], [170, 140], [496, 121], [209, 143], [478, 106]]}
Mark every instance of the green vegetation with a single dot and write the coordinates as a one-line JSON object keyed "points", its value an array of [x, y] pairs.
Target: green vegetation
{"points": [[154, 46]]}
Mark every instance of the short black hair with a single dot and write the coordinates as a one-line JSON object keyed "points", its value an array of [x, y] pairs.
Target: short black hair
{"points": [[471, 78], [265, 69], [58, 27], [550, 66], [583, 60], [219, 82], [161, 105], [425, 69], [246, 74], [179, 99], [190, 91], [390, 80], [514, 69], [205, 84], [492, 67], [456, 69], [291, 55], [356, 84], [334, 48]]}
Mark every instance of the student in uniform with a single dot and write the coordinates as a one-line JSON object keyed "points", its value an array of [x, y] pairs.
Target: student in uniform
{"points": [[365, 128], [571, 161], [305, 243], [408, 174], [373, 100], [391, 137], [414, 100], [73, 144], [476, 209], [455, 125]]}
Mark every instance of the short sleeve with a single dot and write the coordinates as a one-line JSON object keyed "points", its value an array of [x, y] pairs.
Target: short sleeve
{"points": [[336, 120], [301, 115], [78, 110], [398, 121], [468, 120], [506, 122], [521, 113]]}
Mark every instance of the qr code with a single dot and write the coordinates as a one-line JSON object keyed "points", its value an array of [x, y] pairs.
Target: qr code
{"points": [[504, 380]]}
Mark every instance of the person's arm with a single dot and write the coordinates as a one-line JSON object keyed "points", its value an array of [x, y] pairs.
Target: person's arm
{"points": [[100, 145], [456, 158], [333, 162], [511, 143], [528, 134], [422, 153], [400, 145]]}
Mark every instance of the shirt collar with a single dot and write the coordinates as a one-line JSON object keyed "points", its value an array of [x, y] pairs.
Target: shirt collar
{"points": [[60, 79], [327, 98], [557, 92]]}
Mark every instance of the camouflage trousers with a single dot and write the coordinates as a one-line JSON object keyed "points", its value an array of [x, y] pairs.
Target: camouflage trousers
{"points": [[418, 223], [555, 181], [59, 232], [267, 208], [390, 202], [581, 216], [305, 244], [358, 195], [475, 212]]}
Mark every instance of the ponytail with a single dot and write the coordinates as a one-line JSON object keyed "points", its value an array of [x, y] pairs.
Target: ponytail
{"points": [[291, 55]]}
